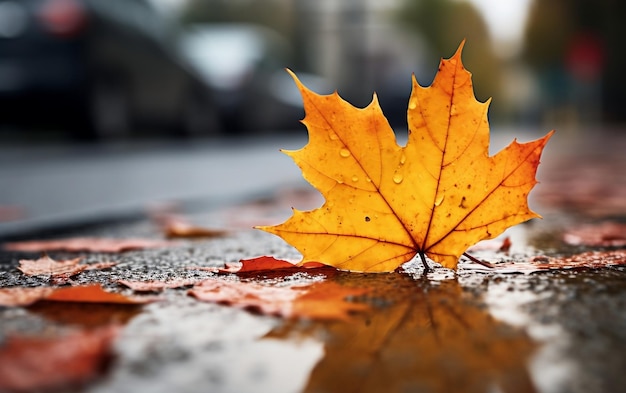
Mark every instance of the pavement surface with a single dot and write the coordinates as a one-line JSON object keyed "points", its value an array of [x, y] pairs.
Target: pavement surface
{"points": [[471, 331]]}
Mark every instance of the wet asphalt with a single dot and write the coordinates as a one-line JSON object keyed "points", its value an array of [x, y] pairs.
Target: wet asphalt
{"points": [[553, 332]]}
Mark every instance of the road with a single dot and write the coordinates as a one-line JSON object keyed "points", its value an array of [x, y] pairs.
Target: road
{"points": [[50, 185]]}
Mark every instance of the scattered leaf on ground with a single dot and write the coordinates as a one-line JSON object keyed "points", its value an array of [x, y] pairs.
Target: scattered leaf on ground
{"points": [[435, 197], [585, 260], [606, 234], [590, 180], [154, 285], [89, 244], [93, 293], [321, 301], [20, 296], [58, 271], [179, 227], [267, 263], [34, 364]]}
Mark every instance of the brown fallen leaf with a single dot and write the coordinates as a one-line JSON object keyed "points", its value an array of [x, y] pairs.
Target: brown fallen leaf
{"points": [[585, 260], [321, 301], [155, 286], [606, 234], [178, 227], [89, 244], [35, 364], [94, 293], [58, 271]]}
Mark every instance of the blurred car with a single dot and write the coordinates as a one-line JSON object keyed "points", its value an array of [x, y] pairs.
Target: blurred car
{"points": [[244, 65], [99, 68]]}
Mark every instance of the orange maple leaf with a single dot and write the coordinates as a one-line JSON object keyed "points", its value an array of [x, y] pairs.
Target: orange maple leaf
{"points": [[435, 197]]}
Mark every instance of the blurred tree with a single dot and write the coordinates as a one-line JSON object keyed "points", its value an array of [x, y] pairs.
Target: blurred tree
{"points": [[567, 42], [444, 24], [276, 14]]}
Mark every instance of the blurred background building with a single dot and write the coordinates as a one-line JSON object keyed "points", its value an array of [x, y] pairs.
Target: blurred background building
{"points": [[196, 67]]}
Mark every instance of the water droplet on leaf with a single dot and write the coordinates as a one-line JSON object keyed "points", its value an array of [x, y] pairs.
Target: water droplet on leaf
{"points": [[439, 200], [345, 153], [397, 178], [355, 179]]}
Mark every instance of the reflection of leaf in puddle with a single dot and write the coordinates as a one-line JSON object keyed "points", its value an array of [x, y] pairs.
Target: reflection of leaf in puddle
{"points": [[429, 337], [86, 315]]}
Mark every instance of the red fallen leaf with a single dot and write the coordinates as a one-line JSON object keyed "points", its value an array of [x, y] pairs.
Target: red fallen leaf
{"points": [[18, 296], [36, 364], [606, 234], [58, 271], [322, 301], [153, 285], [585, 260], [506, 245], [90, 244], [94, 293], [266, 263]]}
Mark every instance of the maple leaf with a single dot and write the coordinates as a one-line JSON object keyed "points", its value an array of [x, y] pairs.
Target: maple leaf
{"points": [[435, 197], [58, 271]]}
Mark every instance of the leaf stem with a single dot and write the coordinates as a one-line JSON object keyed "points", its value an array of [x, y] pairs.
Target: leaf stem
{"points": [[478, 261], [424, 262]]}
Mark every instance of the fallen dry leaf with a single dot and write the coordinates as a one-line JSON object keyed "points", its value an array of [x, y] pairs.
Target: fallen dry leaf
{"points": [[385, 203], [35, 364], [606, 234], [186, 230], [321, 301], [89, 244], [20, 296], [155, 286], [94, 293], [585, 260], [58, 271], [267, 263]]}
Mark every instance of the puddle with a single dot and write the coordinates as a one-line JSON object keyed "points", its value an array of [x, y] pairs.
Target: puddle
{"points": [[421, 335]]}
